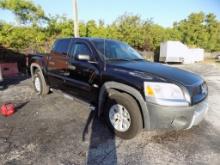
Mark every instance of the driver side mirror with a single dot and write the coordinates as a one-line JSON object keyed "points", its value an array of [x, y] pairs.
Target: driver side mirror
{"points": [[83, 57]]}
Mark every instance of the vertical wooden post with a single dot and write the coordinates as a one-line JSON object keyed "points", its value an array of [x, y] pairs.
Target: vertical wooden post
{"points": [[76, 22]]}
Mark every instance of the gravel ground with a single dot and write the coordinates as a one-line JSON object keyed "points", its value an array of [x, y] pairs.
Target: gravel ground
{"points": [[55, 130]]}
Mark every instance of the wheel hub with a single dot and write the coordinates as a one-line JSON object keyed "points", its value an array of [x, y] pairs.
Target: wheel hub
{"points": [[119, 118], [37, 84]]}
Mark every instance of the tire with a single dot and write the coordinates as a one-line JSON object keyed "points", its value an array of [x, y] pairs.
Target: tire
{"points": [[39, 83], [129, 104]]}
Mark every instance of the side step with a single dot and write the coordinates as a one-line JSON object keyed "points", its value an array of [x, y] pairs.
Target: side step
{"points": [[67, 96]]}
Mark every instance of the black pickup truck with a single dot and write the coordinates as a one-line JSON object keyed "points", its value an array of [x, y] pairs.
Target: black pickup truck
{"points": [[128, 91]]}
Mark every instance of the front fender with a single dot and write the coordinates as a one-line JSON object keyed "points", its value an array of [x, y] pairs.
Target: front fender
{"points": [[106, 89]]}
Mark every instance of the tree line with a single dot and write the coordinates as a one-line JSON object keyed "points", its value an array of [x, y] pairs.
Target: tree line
{"points": [[35, 31]]}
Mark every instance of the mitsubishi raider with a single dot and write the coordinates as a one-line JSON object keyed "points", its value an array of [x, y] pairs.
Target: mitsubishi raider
{"points": [[128, 91]]}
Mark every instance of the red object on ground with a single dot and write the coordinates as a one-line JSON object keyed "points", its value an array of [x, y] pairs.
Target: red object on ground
{"points": [[7, 109], [9, 69]]}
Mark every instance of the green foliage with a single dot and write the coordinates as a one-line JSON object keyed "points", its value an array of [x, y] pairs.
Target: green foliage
{"points": [[198, 30], [130, 29], [213, 32], [154, 35], [25, 10], [22, 37], [59, 26]]}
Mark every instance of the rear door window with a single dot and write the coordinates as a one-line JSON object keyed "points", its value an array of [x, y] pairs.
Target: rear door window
{"points": [[62, 46]]}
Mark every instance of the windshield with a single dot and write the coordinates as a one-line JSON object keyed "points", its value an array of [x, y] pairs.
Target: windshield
{"points": [[115, 50]]}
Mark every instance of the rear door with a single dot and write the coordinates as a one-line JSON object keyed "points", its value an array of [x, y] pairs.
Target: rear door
{"points": [[58, 63], [83, 79]]}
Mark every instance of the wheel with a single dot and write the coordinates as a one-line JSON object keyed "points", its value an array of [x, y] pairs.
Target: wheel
{"points": [[39, 83], [123, 115]]}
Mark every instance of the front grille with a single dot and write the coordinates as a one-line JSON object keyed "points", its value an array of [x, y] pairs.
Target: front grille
{"points": [[200, 89], [199, 92]]}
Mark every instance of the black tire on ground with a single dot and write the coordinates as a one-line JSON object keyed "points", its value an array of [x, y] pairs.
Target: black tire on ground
{"points": [[44, 88], [133, 109]]}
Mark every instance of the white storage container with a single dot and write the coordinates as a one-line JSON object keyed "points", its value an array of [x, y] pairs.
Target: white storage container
{"points": [[175, 51]]}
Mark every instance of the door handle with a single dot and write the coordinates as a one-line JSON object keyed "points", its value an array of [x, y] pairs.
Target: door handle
{"points": [[71, 67], [64, 73]]}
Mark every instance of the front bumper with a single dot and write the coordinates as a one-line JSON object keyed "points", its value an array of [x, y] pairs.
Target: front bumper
{"points": [[167, 117]]}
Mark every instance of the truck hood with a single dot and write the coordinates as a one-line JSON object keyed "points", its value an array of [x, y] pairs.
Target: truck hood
{"points": [[166, 72]]}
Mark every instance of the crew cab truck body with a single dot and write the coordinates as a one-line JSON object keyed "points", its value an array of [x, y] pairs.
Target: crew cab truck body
{"points": [[128, 91]]}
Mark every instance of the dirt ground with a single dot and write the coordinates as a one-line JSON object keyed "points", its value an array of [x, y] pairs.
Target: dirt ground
{"points": [[56, 130]]}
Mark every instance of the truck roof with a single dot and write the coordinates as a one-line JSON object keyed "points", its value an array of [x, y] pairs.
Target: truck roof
{"points": [[89, 38]]}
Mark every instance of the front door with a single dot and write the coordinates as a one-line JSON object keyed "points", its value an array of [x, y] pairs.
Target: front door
{"points": [[83, 75]]}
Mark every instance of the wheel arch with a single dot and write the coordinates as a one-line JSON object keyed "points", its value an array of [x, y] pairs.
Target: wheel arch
{"points": [[35, 66], [109, 87]]}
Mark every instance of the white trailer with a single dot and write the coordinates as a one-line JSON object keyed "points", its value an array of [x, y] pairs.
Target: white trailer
{"points": [[198, 54], [194, 55], [173, 51]]}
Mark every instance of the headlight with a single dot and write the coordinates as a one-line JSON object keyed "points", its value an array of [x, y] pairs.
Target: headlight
{"points": [[166, 94]]}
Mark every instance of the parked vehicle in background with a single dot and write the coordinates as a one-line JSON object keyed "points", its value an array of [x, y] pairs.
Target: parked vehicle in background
{"points": [[128, 91], [177, 52], [218, 57], [173, 51]]}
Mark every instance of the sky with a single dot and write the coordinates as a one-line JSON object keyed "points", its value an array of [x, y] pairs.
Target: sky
{"points": [[163, 12]]}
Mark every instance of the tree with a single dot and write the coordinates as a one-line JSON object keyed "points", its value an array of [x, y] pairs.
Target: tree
{"points": [[197, 30], [25, 10], [192, 30], [82, 29], [200, 30], [91, 29], [154, 35], [213, 30], [130, 29]]}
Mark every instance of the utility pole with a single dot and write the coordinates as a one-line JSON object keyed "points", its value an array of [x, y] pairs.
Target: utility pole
{"points": [[76, 22]]}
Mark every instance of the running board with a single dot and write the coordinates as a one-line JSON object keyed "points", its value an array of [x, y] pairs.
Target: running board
{"points": [[67, 96]]}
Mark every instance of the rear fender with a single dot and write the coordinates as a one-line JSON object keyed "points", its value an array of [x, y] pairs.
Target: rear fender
{"points": [[34, 66]]}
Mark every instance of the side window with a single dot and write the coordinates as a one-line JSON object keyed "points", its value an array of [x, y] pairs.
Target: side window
{"points": [[55, 46], [80, 48], [61, 46], [64, 46]]}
